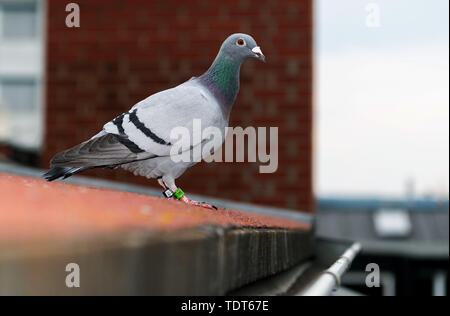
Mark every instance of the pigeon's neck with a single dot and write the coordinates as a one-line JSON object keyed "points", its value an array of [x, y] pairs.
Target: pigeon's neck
{"points": [[222, 79]]}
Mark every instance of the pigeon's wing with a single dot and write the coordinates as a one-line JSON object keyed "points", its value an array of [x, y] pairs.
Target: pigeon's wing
{"points": [[148, 125], [103, 150], [144, 132]]}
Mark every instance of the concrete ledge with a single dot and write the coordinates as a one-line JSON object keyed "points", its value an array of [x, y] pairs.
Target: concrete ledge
{"points": [[134, 244], [9, 168], [206, 261]]}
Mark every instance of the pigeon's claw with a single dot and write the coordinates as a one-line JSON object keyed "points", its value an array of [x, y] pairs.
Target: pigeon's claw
{"points": [[187, 200], [208, 206], [176, 193]]}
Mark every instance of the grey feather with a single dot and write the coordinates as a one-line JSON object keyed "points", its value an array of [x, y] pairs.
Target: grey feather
{"points": [[102, 151]]}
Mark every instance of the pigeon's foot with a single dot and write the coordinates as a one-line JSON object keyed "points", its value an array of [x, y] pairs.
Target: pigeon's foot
{"points": [[187, 200], [178, 194]]}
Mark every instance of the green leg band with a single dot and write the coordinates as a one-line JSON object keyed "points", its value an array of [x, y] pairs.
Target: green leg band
{"points": [[178, 194]]}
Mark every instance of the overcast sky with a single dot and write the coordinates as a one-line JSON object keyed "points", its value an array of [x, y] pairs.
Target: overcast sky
{"points": [[382, 97]]}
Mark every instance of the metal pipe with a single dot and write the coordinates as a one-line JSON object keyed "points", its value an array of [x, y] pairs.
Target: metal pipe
{"points": [[439, 284], [330, 279]]}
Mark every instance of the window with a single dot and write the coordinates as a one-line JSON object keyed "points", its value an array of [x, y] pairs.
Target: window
{"points": [[20, 113], [19, 20], [19, 95], [21, 73]]}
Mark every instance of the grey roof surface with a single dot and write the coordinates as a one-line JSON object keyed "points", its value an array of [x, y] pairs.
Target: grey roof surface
{"points": [[429, 237]]}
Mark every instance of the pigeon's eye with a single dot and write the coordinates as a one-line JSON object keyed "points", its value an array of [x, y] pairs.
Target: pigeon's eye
{"points": [[240, 42]]}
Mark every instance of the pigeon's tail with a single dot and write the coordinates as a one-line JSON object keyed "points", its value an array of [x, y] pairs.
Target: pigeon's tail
{"points": [[62, 172], [102, 151]]}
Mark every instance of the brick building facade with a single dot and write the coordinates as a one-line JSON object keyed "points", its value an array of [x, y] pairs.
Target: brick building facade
{"points": [[125, 51]]}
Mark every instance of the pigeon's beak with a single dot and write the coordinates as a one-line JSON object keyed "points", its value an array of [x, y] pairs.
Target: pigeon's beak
{"points": [[258, 53]]}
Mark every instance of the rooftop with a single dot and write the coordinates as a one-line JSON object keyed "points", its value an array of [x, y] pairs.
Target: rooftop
{"points": [[157, 246]]}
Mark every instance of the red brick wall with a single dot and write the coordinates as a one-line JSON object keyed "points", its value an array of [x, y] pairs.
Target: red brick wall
{"points": [[126, 50]]}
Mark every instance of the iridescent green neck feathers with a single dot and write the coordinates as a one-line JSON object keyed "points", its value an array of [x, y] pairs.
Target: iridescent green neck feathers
{"points": [[222, 79]]}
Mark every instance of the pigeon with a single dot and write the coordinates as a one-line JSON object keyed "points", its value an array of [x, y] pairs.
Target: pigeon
{"points": [[140, 140]]}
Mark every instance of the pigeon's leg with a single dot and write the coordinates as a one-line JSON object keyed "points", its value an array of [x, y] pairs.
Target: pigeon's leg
{"points": [[168, 193], [178, 194]]}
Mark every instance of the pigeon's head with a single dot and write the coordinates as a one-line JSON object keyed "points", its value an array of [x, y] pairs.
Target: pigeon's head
{"points": [[242, 46]]}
